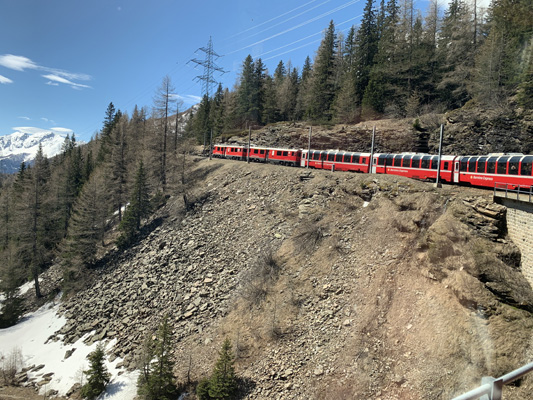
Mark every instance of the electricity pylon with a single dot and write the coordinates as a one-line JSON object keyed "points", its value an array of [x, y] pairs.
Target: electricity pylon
{"points": [[209, 67]]}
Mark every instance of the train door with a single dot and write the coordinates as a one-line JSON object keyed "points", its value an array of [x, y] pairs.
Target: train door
{"points": [[456, 170], [375, 165]]}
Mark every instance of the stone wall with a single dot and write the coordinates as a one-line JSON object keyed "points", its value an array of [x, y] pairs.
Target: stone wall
{"points": [[520, 229]]}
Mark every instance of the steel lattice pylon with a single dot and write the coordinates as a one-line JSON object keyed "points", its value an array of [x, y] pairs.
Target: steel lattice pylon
{"points": [[209, 68]]}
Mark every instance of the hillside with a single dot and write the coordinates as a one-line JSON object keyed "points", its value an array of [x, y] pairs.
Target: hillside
{"points": [[329, 286], [471, 130]]}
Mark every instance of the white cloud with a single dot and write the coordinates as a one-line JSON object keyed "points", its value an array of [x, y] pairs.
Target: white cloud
{"points": [[18, 63], [189, 99], [31, 130], [48, 120], [58, 79], [26, 118], [5, 80], [55, 76]]}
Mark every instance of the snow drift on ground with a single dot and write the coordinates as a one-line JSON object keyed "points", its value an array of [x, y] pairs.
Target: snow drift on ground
{"points": [[31, 336]]}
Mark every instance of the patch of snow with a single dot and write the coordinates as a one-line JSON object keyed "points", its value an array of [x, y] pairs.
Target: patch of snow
{"points": [[31, 336], [365, 204]]}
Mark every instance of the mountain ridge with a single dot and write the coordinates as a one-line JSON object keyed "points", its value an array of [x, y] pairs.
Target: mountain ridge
{"points": [[22, 146]]}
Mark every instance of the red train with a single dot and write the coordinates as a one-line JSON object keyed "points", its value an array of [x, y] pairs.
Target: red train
{"points": [[513, 170]]}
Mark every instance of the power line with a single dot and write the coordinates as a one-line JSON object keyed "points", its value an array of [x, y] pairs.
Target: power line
{"points": [[271, 19], [298, 26], [286, 20]]}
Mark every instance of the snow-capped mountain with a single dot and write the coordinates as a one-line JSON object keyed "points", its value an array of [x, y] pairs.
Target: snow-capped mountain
{"points": [[22, 146]]}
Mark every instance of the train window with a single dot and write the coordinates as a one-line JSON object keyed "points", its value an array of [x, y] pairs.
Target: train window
{"points": [[398, 161], [513, 165], [382, 159], [278, 153], [262, 151], [355, 158], [472, 164], [338, 157], [416, 161], [363, 160], [502, 165], [425, 162], [464, 164], [390, 158], [330, 157], [285, 153], [406, 161], [491, 165], [347, 157], [446, 166], [527, 164], [481, 162], [434, 162]]}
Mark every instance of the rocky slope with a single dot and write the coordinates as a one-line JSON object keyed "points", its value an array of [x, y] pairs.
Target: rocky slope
{"points": [[471, 130], [330, 285]]}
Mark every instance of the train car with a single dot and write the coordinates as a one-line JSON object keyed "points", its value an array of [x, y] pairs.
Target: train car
{"points": [[236, 152], [514, 170], [219, 151], [258, 154], [336, 160], [290, 157], [312, 159], [416, 166]]}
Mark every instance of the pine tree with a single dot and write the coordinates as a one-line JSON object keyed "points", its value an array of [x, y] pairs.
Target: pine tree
{"points": [[322, 90], [35, 218], [10, 279], [304, 89], [217, 112], [366, 41], [287, 94], [456, 54], [223, 381], [105, 136], [156, 381], [503, 62], [385, 86], [138, 208], [86, 229], [97, 375], [118, 165], [246, 92]]}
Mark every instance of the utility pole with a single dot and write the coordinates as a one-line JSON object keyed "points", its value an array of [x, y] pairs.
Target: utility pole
{"points": [[372, 150], [211, 145], [437, 181], [249, 140], [309, 146]]}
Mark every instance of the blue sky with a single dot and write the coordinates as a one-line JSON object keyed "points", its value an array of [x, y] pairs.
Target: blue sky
{"points": [[63, 61]]}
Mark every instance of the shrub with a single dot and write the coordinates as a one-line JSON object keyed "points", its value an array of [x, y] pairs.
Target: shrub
{"points": [[9, 365]]}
